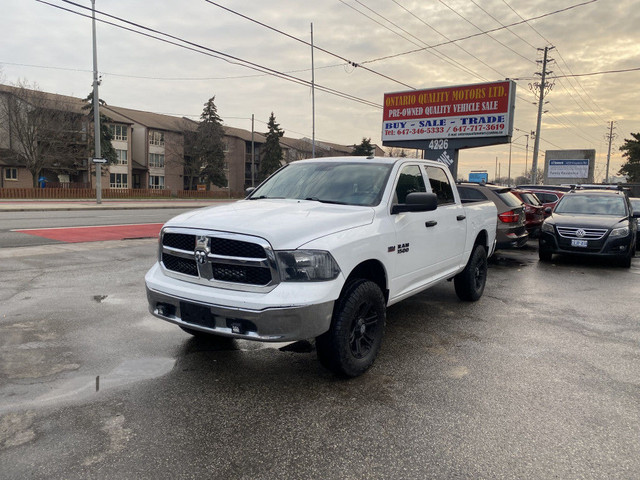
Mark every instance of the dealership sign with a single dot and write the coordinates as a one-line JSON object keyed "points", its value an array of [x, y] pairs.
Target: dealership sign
{"points": [[467, 111]]}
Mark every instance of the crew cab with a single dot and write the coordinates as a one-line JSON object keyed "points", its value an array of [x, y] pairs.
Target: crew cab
{"points": [[319, 250]]}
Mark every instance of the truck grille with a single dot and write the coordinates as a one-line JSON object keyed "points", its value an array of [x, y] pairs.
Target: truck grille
{"points": [[582, 233], [218, 258]]}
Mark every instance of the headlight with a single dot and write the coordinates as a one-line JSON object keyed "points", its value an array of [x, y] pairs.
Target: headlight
{"points": [[547, 227], [619, 232], [306, 266]]}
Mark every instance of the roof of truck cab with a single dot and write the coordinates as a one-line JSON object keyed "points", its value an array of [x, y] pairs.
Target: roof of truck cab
{"points": [[370, 159]]}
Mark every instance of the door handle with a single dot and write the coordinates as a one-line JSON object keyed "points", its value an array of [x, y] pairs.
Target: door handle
{"points": [[430, 223], [460, 217]]}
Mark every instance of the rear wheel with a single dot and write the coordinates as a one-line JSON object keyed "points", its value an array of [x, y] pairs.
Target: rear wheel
{"points": [[352, 343], [470, 282]]}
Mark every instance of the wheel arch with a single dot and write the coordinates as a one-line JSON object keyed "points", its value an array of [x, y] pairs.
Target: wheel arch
{"points": [[482, 239], [372, 270]]}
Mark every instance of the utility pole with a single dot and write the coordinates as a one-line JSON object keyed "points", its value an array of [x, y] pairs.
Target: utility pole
{"points": [[253, 154], [313, 101], [609, 137], [542, 87], [97, 154]]}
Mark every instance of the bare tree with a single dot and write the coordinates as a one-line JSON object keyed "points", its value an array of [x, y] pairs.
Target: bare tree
{"points": [[45, 130]]}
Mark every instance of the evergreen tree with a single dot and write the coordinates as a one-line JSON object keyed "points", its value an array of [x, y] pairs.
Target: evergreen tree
{"points": [[631, 149], [364, 149], [272, 151], [106, 147], [209, 146]]}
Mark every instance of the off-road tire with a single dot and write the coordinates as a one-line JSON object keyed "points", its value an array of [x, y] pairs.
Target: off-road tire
{"points": [[470, 282], [352, 343]]}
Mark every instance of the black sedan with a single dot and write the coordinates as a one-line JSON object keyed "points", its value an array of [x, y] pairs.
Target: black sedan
{"points": [[591, 222]]}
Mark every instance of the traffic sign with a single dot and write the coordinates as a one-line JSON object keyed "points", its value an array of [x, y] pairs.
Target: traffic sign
{"points": [[99, 160]]}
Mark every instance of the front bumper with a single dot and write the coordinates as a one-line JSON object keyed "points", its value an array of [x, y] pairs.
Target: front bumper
{"points": [[276, 316], [607, 247]]}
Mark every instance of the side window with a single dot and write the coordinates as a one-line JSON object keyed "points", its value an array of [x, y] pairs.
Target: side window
{"points": [[440, 185], [409, 181], [471, 194]]}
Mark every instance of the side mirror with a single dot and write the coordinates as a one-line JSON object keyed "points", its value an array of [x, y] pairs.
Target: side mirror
{"points": [[249, 190], [417, 202], [636, 214], [547, 210]]}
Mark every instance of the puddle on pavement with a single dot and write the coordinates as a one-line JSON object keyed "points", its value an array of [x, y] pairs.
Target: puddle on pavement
{"points": [[82, 387], [505, 261]]}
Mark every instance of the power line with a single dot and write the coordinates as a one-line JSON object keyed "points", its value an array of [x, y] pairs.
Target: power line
{"points": [[210, 52], [306, 43], [485, 32], [449, 60], [491, 37], [561, 58]]}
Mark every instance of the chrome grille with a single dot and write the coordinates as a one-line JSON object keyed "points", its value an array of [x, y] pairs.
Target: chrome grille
{"points": [[587, 233], [233, 261]]}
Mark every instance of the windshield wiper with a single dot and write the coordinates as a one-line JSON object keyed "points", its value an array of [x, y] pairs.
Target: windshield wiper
{"points": [[334, 202], [261, 197]]}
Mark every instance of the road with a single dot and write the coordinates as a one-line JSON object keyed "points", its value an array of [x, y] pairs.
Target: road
{"points": [[539, 379], [11, 221]]}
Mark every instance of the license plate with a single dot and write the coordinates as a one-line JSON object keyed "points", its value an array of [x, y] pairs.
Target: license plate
{"points": [[578, 243]]}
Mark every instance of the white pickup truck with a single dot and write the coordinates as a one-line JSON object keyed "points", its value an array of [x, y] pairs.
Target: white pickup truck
{"points": [[319, 250]]}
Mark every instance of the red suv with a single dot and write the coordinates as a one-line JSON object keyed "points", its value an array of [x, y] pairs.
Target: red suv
{"points": [[533, 209]]}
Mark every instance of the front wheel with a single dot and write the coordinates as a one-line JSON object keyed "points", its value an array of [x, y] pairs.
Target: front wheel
{"points": [[544, 255], [352, 343], [470, 282]]}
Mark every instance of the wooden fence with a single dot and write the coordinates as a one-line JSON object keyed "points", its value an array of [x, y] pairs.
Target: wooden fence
{"points": [[124, 193]]}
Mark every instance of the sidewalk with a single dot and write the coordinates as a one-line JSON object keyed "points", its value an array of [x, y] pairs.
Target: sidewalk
{"points": [[25, 205]]}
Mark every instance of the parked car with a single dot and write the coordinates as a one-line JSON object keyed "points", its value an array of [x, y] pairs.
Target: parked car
{"points": [[547, 194], [534, 211], [635, 205], [591, 222], [511, 229]]}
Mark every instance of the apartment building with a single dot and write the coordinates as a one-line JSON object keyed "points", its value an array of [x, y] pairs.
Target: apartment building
{"points": [[150, 152]]}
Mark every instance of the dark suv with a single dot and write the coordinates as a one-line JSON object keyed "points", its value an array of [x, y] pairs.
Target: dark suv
{"points": [[591, 222], [511, 231]]}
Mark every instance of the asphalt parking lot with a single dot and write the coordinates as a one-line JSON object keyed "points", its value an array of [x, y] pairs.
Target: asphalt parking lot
{"points": [[539, 379]]}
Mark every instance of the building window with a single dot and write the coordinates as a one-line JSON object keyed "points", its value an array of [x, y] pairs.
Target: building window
{"points": [[118, 132], [118, 180], [156, 160], [121, 157], [11, 174], [156, 181], [156, 138]]}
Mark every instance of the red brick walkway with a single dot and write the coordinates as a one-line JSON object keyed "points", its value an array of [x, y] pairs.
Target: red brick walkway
{"points": [[96, 234]]}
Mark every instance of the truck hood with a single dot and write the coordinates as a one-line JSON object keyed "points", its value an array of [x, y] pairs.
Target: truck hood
{"points": [[284, 223]]}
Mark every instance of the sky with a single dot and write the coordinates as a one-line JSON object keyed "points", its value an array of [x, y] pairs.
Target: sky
{"points": [[361, 53]]}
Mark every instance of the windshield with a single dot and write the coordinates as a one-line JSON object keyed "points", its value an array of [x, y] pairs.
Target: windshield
{"points": [[592, 205], [342, 183]]}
